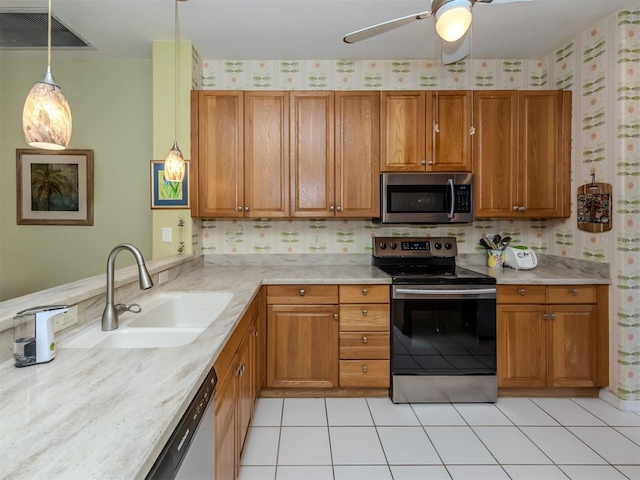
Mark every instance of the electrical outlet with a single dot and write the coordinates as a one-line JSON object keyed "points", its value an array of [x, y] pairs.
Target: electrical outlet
{"points": [[163, 277], [66, 320]]}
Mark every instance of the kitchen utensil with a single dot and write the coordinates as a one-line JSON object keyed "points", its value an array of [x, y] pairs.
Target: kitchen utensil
{"points": [[492, 245], [485, 243], [496, 240], [504, 243]]}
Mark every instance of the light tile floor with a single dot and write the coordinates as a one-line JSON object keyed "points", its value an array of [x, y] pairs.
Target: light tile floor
{"points": [[373, 439]]}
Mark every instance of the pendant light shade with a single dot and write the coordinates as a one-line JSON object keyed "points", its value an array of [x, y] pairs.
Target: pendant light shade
{"points": [[46, 116], [174, 165], [453, 19]]}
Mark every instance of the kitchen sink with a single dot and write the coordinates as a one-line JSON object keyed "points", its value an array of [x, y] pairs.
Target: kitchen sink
{"points": [[167, 320]]}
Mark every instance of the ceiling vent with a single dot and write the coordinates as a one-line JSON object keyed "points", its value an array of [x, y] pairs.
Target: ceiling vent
{"points": [[23, 30]]}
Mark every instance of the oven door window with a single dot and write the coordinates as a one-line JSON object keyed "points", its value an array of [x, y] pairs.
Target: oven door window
{"points": [[418, 198], [444, 337]]}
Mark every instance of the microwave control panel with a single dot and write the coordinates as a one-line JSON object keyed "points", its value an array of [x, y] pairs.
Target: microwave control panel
{"points": [[463, 198]]}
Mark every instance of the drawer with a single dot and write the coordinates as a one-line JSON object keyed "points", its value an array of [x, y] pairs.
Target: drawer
{"points": [[521, 294], [364, 293], [364, 345], [572, 294], [302, 294], [364, 373], [365, 318]]}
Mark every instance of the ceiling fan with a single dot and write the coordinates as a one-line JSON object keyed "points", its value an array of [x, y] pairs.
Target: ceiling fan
{"points": [[453, 18]]}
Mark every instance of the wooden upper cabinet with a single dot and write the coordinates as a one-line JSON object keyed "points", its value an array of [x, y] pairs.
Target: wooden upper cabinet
{"points": [[522, 153], [266, 153], [425, 131], [544, 152], [452, 131], [495, 146], [312, 155], [357, 154], [216, 166], [403, 132]]}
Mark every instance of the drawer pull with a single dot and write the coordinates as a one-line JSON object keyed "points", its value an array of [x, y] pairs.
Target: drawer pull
{"points": [[364, 312], [301, 292], [574, 292], [365, 291], [521, 291], [364, 369], [365, 339], [335, 316]]}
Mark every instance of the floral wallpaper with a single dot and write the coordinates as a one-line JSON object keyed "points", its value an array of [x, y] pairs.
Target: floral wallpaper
{"points": [[602, 68]]}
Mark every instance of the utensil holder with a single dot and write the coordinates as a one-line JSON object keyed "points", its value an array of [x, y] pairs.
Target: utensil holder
{"points": [[496, 258]]}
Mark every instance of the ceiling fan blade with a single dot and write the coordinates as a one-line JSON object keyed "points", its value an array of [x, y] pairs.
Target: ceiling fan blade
{"points": [[374, 30], [453, 52]]}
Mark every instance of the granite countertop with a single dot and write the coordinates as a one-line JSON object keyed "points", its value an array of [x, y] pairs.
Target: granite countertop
{"points": [[107, 413]]}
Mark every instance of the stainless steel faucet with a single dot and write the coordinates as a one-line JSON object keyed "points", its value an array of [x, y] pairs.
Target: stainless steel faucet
{"points": [[111, 311]]}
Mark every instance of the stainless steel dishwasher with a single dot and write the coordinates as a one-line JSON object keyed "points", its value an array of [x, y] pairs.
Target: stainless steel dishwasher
{"points": [[190, 452]]}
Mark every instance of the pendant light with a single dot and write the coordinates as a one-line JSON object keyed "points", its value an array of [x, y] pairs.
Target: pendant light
{"points": [[46, 116], [174, 165]]}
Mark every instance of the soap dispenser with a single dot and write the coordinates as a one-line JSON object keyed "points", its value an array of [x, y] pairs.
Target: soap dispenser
{"points": [[33, 340]]}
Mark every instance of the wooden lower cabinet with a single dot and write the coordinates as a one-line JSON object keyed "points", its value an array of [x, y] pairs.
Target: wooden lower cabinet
{"points": [[364, 336], [236, 392], [552, 336]]}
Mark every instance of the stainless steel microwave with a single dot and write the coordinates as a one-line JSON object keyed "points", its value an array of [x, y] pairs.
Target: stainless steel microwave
{"points": [[426, 198]]}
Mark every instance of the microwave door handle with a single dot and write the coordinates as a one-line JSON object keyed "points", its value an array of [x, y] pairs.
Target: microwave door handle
{"points": [[453, 201]]}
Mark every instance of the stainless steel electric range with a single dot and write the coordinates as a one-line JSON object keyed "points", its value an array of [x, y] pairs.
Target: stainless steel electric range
{"points": [[443, 322]]}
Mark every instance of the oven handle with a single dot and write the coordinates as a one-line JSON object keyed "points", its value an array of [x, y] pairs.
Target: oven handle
{"points": [[449, 291], [453, 198]]}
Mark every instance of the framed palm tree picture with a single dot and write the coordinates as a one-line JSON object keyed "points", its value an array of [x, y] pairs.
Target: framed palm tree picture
{"points": [[54, 187]]}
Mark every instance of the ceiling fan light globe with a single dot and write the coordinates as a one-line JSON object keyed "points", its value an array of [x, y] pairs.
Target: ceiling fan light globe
{"points": [[453, 20]]}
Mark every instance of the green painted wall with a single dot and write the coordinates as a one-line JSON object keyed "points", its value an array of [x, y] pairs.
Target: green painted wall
{"points": [[111, 105]]}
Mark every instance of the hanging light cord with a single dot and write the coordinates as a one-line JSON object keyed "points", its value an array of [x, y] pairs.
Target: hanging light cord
{"points": [[49, 37], [177, 79]]}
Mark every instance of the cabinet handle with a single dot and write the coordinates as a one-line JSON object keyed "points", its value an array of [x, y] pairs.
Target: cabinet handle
{"points": [[522, 291], [423, 162], [239, 209], [515, 208], [364, 369], [545, 316], [339, 209], [364, 312], [301, 292], [255, 333], [365, 339], [574, 292], [331, 208], [521, 209], [553, 316], [335, 316], [246, 209], [430, 162], [365, 291]]}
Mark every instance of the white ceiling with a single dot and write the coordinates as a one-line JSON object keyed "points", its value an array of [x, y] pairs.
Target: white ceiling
{"points": [[313, 29]]}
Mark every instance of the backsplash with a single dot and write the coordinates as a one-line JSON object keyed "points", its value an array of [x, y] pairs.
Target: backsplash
{"points": [[602, 68]]}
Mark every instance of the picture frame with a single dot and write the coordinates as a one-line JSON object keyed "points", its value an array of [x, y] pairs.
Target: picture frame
{"points": [[54, 187], [168, 194]]}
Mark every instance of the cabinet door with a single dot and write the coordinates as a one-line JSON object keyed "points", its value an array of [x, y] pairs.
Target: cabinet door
{"points": [[219, 154], [495, 152], [245, 387], [357, 155], [225, 427], [312, 155], [573, 345], [266, 173], [451, 132], [544, 167], [403, 132], [521, 340], [302, 346]]}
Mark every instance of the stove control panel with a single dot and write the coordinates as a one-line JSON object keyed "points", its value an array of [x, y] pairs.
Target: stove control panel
{"points": [[415, 247]]}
